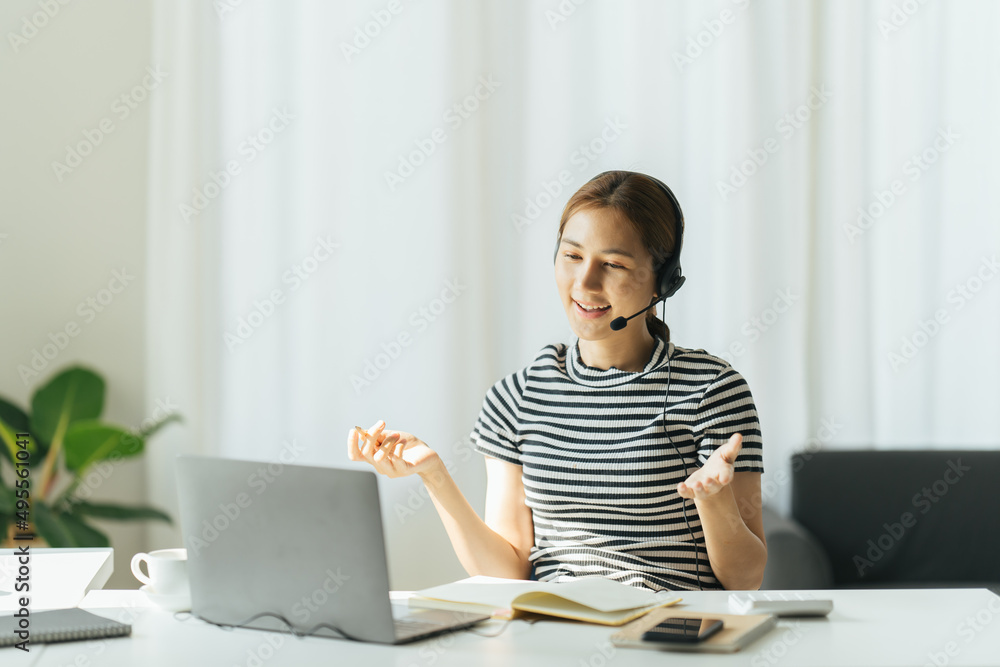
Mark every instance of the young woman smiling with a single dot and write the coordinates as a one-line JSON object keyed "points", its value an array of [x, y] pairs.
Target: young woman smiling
{"points": [[620, 454]]}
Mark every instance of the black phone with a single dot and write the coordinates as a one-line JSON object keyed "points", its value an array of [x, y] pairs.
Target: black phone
{"points": [[683, 630]]}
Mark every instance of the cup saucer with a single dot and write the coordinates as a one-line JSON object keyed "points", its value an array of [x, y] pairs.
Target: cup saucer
{"points": [[177, 602]]}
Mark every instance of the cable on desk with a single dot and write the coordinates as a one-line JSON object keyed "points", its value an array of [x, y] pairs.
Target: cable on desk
{"points": [[301, 635], [496, 633], [291, 628]]}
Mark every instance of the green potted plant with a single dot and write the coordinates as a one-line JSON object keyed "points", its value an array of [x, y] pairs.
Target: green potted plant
{"points": [[66, 439]]}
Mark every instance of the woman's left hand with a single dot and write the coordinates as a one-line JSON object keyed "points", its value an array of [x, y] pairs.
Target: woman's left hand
{"points": [[716, 474]]}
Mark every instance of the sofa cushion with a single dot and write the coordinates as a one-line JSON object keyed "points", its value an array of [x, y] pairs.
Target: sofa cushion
{"points": [[902, 516], [795, 560]]}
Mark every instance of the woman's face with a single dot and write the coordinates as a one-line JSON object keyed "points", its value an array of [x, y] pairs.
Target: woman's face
{"points": [[602, 262]]}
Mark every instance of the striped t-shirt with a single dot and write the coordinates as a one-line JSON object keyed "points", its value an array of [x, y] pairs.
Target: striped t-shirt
{"points": [[600, 476]]}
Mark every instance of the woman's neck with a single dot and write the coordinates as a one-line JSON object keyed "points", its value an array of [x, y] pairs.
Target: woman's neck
{"points": [[629, 354]]}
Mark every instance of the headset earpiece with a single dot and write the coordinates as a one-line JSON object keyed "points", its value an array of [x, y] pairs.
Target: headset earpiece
{"points": [[669, 277]]}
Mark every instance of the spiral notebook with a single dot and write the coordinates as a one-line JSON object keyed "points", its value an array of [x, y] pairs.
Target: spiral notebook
{"points": [[60, 625]]}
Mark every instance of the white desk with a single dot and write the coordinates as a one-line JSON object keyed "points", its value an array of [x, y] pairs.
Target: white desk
{"points": [[870, 627]]}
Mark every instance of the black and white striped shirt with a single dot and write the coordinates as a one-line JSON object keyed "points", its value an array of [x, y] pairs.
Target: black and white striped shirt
{"points": [[599, 474]]}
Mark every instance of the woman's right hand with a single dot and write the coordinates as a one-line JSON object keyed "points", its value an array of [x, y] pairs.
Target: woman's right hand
{"points": [[391, 453]]}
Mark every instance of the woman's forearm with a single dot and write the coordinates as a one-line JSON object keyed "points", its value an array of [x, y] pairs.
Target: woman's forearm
{"points": [[736, 554], [479, 548]]}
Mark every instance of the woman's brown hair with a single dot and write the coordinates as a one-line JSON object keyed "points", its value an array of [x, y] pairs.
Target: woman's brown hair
{"points": [[645, 207]]}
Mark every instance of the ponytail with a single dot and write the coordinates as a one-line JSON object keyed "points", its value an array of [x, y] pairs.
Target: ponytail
{"points": [[657, 327]]}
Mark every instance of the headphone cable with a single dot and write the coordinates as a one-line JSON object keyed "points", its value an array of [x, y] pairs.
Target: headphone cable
{"points": [[666, 432]]}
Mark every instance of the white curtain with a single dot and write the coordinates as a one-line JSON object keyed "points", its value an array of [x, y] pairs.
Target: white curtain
{"points": [[353, 209]]}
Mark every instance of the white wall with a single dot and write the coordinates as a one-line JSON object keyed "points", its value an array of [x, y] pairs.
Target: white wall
{"points": [[61, 241]]}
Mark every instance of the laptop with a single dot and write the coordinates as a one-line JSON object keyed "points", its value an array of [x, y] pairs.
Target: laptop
{"points": [[272, 541]]}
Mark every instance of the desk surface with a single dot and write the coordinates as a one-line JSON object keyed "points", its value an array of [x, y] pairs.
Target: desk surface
{"points": [[867, 627]]}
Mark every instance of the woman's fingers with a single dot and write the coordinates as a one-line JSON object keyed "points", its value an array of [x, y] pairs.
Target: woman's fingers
{"points": [[725, 476], [376, 431], [353, 452], [386, 463], [731, 449], [388, 443], [384, 459], [369, 439], [704, 485], [384, 450]]}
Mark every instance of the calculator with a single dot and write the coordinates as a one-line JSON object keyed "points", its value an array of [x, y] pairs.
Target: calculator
{"points": [[779, 603]]}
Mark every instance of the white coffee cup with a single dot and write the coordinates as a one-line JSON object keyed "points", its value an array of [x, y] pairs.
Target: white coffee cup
{"points": [[167, 571]]}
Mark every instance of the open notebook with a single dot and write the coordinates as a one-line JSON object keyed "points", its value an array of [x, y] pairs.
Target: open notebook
{"points": [[588, 599]]}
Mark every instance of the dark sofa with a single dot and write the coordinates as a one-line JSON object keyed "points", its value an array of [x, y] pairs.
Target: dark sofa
{"points": [[888, 518]]}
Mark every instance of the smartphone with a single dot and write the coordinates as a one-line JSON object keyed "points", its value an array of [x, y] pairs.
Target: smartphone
{"points": [[683, 630]]}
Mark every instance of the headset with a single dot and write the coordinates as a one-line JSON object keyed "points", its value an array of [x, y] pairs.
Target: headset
{"points": [[669, 279]]}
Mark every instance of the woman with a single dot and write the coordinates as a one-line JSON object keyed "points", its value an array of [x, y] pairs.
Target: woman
{"points": [[620, 455]]}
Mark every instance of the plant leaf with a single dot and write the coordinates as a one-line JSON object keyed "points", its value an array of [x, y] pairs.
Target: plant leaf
{"points": [[13, 420], [49, 527], [9, 437], [72, 395], [87, 442], [65, 530], [148, 431], [118, 512], [7, 502], [84, 535], [14, 416]]}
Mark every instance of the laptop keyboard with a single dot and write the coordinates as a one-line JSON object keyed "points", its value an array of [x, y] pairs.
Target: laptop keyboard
{"points": [[406, 629]]}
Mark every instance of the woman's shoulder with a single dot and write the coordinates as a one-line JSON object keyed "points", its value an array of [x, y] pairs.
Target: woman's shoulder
{"points": [[548, 358], [700, 361], [697, 354]]}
